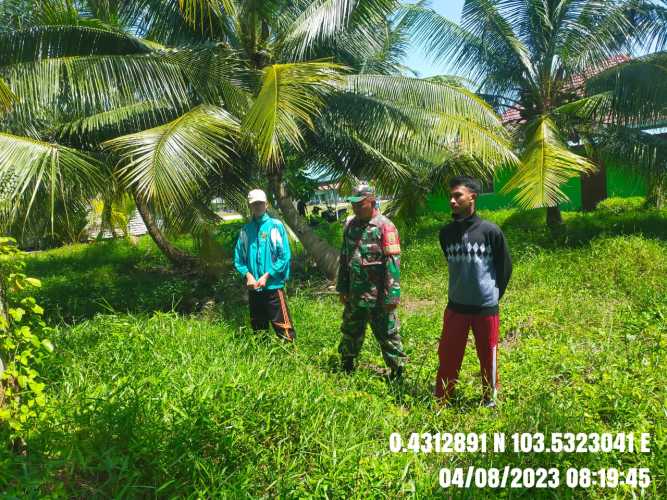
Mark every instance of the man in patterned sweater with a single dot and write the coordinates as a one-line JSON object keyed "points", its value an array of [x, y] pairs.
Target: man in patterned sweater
{"points": [[479, 271]]}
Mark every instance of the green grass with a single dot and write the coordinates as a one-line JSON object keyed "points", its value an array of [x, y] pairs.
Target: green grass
{"points": [[169, 404]]}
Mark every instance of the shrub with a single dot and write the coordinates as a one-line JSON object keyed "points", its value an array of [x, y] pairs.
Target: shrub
{"points": [[23, 346], [620, 205]]}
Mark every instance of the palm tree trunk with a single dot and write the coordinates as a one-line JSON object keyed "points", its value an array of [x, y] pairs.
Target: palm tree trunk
{"points": [[206, 212], [554, 217], [177, 257], [656, 196], [594, 186], [325, 256]]}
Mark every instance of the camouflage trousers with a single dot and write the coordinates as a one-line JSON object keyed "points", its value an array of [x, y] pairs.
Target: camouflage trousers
{"points": [[385, 326]]}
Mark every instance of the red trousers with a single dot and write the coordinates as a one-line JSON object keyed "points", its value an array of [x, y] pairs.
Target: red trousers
{"points": [[452, 348]]}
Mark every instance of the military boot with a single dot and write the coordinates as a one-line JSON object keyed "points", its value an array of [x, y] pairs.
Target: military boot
{"points": [[347, 364], [396, 374]]}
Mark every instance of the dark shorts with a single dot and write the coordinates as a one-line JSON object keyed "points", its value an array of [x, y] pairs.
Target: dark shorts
{"points": [[270, 306]]}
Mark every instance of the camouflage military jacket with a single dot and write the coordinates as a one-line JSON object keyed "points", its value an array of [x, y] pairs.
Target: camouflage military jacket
{"points": [[370, 262]]}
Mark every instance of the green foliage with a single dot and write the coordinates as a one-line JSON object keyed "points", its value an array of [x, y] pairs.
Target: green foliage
{"points": [[24, 347], [620, 205], [160, 404]]}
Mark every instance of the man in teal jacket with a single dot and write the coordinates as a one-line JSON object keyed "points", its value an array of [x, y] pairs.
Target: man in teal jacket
{"points": [[262, 256]]}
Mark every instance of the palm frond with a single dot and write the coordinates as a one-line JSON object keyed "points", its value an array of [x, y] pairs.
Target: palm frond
{"points": [[170, 163], [67, 13], [341, 154], [410, 197], [42, 42], [219, 75], [197, 218], [92, 84], [158, 20], [435, 95], [29, 167], [388, 60], [98, 127], [203, 14], [13, 14], [638, 89], [350, 47], [445, 42], [393, 172], [651, 22], [444, 115], [483, 19], [362, 136], [534, 22], [104, 10], [7, 97], [600, 31], [594, 108], [115, 214], [290, 97], [382, 130], [546, 163], [46, 224], [322, 20]]}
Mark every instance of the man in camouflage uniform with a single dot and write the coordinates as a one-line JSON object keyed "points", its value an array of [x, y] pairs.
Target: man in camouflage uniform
{"points": [[369, 282]]}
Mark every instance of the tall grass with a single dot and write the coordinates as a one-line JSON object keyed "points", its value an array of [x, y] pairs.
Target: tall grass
{"points": [[163, 404]]}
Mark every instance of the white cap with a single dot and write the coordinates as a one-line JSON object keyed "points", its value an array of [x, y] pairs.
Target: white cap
{"points": [[256, 195]]}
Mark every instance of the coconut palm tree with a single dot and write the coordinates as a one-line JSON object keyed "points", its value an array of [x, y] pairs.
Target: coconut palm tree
{"points": [[528, 56], [193, 98]]}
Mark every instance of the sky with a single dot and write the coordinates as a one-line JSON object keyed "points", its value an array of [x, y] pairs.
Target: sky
{"points": [[416, 59]]}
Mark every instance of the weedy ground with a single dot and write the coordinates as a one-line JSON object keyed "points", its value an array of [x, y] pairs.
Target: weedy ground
{"points": [[158, 387]]}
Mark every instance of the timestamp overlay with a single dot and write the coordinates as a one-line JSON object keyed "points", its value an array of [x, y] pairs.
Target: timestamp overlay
{"points": [[520, 444]]}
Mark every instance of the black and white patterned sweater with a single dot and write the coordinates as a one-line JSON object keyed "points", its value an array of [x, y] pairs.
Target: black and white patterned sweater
{"points": [[479, 265]]}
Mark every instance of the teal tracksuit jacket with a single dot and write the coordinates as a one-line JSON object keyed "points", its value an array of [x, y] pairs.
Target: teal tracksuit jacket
{"points": [[262, 248]]}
